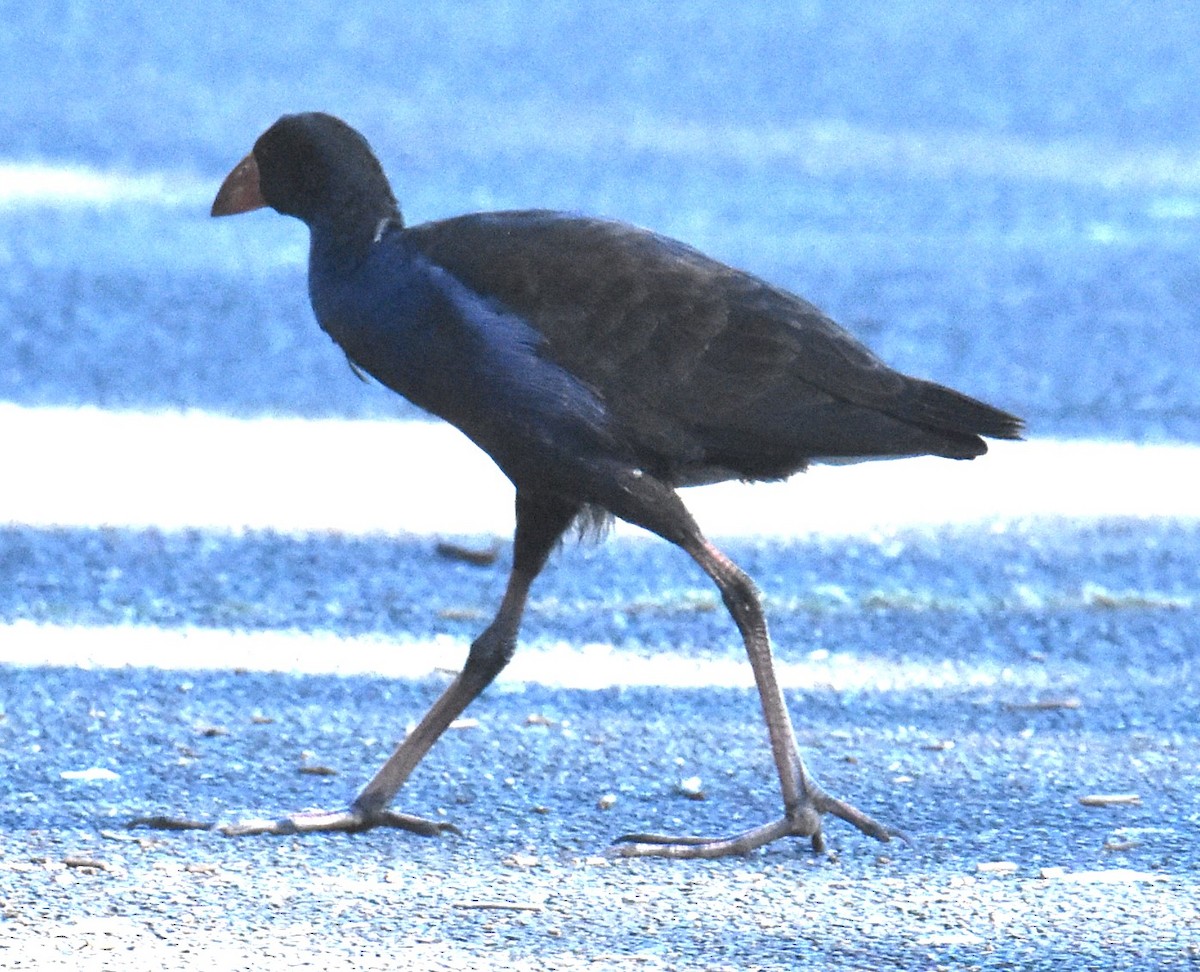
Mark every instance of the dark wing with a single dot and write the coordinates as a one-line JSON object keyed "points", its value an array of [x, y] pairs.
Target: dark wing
{"points": [[701, 364]]}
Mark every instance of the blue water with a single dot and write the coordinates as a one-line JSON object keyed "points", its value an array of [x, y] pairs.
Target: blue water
{"points": [[1007, 201]]}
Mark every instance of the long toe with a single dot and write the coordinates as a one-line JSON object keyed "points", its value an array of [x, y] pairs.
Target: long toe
{"points": [[822, 803], [691, 848], [164, 822]]}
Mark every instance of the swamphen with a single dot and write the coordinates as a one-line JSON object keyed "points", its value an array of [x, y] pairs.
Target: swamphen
{"points": [[601, 366]]}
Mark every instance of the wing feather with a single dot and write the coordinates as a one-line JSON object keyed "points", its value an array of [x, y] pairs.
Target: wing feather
{"points": [[700, 362]]}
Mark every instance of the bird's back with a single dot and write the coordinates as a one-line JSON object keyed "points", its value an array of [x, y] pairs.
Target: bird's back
{"points": [[708, 372]]}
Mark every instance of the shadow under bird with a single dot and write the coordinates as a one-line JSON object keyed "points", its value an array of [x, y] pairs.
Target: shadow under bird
{"points": [[600, 366]]}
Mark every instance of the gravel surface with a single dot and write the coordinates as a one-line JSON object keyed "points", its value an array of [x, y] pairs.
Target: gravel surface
{"points": [[976, 727]]}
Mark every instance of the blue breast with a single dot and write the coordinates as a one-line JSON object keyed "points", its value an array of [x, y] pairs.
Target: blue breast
{"points": [[455, 353]]}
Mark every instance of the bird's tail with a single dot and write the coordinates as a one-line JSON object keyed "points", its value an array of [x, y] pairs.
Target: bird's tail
{"points": [[943, 410]]}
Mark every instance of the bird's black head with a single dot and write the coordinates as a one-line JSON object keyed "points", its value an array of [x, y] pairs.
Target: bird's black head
{"points": [[312, 166]]}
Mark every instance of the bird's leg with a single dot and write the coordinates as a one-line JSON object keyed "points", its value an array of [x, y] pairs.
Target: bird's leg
{"points": [[540, 524], [804, 802]]}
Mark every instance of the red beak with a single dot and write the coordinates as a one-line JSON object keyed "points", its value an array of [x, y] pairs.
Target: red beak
{"points": [[239, 193]]}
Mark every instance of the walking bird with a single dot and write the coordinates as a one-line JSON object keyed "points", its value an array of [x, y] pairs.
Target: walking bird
{"points": [[600, 366]]}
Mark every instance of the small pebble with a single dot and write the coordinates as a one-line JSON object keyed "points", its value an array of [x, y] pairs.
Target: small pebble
{"points": [[1111, 800]]}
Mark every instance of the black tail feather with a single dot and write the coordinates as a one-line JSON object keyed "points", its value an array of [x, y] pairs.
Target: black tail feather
{"points": [[941, 409]]}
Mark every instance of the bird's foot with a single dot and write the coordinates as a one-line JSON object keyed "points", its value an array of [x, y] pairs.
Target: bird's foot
{"points": [[351, 821], [802, 821]]}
